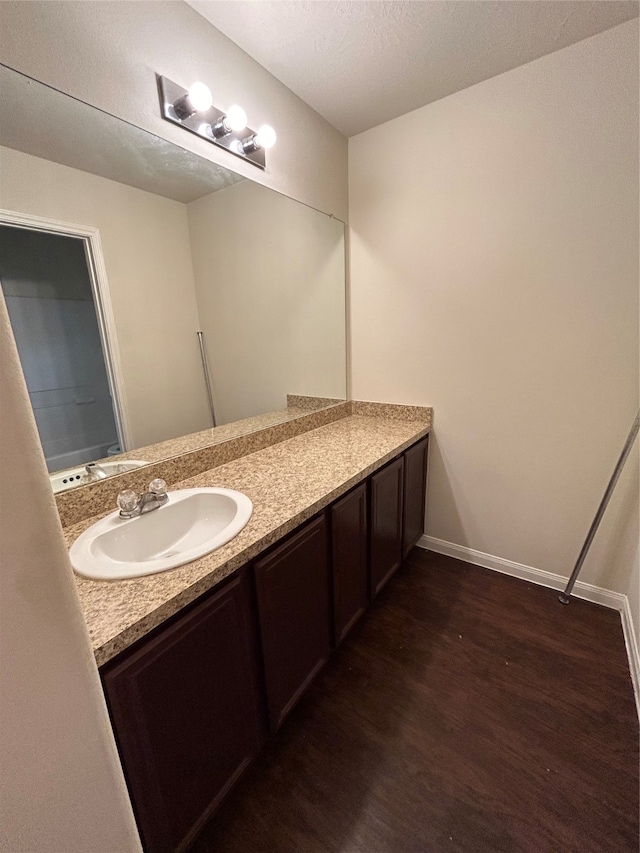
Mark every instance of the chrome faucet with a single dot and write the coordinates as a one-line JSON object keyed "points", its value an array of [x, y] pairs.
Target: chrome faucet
{"points": [[95, 471], [132, 506]]}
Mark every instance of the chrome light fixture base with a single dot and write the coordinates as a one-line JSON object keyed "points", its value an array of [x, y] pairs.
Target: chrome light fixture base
{"points": [[201, 123]]}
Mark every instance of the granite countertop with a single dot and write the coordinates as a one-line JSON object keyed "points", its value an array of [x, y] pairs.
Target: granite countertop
{"points": [[297, 407], [288, 483], [206, 437]]}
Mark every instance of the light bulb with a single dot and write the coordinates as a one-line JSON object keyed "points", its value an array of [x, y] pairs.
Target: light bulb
{"points": [[266, 137], [236, 118], [197, 100], [200, 97]]}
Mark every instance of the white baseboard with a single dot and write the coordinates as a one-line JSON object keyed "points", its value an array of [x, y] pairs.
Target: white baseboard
{"points": [[607, 597], [632, 649]]}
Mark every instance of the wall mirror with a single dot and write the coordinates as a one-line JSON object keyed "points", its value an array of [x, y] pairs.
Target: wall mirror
{"points": [[117, 248]]}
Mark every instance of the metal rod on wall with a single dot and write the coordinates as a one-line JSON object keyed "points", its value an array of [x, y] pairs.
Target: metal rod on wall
{"points": [[564, 597], [207, 380]]}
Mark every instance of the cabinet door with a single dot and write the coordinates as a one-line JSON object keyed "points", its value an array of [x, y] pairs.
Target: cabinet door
{"points": [[349, 560], [415, 482], [293, 605], [386, 523], [185, 712]]}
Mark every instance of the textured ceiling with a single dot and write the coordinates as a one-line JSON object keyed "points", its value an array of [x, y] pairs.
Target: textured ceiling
{"points": [[362, 63]]}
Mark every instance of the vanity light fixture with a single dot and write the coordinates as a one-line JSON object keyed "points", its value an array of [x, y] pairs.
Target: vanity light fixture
{"points": [[193, 109]]}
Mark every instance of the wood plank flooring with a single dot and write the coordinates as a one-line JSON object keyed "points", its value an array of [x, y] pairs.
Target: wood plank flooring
{"points": [[467, 711]]}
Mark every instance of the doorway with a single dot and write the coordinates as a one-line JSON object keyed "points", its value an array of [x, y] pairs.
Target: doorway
{"points": [[49, 287]]}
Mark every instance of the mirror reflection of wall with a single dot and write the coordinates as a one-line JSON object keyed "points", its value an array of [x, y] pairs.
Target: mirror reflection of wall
{"points": [[184, 246], [47, 288], [144, 239], [271, 304]]}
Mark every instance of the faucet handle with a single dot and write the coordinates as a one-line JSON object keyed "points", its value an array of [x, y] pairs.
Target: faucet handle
{"points": [[158, 487], [127, 501]]}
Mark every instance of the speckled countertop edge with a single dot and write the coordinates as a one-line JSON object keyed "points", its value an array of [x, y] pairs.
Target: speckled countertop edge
{"points": [[288, 483]]}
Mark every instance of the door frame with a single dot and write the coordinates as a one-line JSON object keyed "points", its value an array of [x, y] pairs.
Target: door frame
{"points": [[90, 237]]}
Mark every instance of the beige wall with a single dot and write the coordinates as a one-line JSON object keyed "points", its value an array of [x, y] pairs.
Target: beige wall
{"points": [[494, 275], [62, 787], [272, 308], [147, 253], [107, 54]]}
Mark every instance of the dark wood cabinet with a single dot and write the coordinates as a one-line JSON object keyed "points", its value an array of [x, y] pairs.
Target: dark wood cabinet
{"points": [[386, 495], [415, 482], [292, 585], [349, 560], [186, 714], [188, 702]]}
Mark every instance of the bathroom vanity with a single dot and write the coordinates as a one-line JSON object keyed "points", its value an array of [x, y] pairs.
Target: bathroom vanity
{"points": [[202, 663], [199, 664]]}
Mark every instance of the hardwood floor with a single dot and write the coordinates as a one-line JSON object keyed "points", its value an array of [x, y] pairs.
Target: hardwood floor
{"points": [[467, 711]]}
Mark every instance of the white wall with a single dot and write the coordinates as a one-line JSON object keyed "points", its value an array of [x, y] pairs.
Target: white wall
{"points": [[494, 275], [272, 306], [147, 253], [108, 53], [61, 784]]}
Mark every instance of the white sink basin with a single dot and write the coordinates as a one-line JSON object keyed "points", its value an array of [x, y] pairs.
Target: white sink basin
{"points": [[191, 524]]}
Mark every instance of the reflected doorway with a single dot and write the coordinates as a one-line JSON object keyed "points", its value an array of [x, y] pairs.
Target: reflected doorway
{"points": [[48, 286]]}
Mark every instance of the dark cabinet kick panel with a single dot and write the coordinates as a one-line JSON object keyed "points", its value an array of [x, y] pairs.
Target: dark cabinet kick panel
{"points": [[415, 485], [349, 560], [189, 704], [185, 713], [292, 585], [386, 523]]}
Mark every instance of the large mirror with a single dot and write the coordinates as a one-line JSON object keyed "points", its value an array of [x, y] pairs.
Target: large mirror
{"points": [[154, 294]]}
